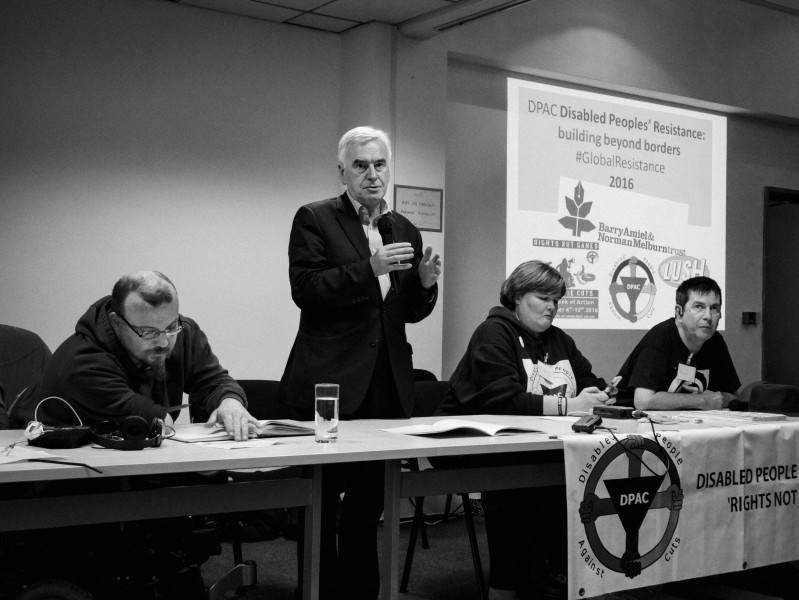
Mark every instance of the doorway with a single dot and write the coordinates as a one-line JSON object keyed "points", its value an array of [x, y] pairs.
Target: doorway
{"points": [[780, 285]]}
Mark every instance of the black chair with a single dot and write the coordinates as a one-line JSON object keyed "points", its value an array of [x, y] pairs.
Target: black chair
{"points": [[262, 403], [23, 357], [263, 400], [423, 375], [764, 396], [429, 396]]}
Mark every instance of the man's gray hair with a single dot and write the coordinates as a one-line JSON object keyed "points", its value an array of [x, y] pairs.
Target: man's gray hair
{"points": [[360, 136]]}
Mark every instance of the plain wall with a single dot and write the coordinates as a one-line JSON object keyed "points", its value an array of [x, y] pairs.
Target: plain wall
{"points": [[676, 51], [760, 153], [143, 134], [146, 134]]}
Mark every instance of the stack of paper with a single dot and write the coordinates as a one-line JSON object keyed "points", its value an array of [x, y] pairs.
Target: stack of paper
{"points": [[200, 432], [734, 416]]}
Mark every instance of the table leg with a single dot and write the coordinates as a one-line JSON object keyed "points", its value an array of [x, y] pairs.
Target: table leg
{"points": [[313, 528], [389, 570]]}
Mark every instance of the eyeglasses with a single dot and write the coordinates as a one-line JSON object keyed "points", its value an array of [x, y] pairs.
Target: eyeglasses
{"points": [[152, 335]]}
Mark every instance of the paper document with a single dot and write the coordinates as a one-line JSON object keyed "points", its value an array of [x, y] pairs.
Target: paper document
{"points": [[17, 452], [734, 416], [463, 426], [200, 432]]}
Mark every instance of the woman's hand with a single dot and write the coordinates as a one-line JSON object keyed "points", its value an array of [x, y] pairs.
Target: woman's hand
{"points": [[587, 399]]}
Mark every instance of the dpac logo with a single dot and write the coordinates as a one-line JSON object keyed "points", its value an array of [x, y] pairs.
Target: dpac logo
{"points": [[641, 490], [631, 283], [578, 211], [554, 390]]}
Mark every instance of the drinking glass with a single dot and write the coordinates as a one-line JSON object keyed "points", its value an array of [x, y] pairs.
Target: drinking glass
{"points": [[326, 412]]}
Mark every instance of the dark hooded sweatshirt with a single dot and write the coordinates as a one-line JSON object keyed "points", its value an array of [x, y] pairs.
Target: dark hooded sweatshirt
{"points": [[507, 369], [94, 373]]}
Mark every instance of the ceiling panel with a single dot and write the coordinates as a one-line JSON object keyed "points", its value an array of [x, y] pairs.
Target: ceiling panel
{"points": [[794, 4], [301, 5], [247, 8], [787, 6], [341, 15], [385, 11], [317, 21], [327, 15]]}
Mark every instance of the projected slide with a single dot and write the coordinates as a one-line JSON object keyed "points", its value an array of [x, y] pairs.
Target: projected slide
{"points": [[625, 198]]}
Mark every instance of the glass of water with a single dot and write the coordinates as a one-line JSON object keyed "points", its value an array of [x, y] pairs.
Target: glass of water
{"points": [[326, 412]]}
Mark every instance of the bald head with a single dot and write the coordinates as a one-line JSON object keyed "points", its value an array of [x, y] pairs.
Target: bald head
{"points": [[153, 287]]}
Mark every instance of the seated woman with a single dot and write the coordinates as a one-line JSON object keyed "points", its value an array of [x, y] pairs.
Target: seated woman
{"points": [[517, 363]]}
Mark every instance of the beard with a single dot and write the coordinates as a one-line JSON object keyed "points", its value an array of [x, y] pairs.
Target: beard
{"points": [[159, 370], [157, 362]]}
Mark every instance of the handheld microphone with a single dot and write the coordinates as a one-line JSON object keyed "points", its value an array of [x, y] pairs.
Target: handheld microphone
{"points": [[385, 226]]}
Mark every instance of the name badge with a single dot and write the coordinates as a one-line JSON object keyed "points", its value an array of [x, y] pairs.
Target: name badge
{"points": [[686, 373]]}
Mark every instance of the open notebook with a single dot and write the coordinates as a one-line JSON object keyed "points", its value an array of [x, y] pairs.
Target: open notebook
{"points": [[200, 432], [463, 426]]}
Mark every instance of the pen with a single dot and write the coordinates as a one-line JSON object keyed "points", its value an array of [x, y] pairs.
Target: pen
{"points": [[611, 390], [613, 384]]}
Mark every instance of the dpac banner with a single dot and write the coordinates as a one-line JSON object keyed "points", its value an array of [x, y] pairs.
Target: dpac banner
{"points": [[625, 198], [649, 509]]}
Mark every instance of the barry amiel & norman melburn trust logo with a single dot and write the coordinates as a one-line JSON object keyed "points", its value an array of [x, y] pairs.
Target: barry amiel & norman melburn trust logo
{"points": [[639, 476], [578, 210]]}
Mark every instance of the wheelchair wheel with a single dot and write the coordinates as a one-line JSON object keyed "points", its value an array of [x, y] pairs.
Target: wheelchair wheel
{"points": [[55, 589]]}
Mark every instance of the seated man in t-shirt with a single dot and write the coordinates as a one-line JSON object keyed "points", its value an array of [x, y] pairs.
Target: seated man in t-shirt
{"points": [[683, 363]]}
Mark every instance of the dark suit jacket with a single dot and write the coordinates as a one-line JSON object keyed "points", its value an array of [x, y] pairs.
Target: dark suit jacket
{"points": [[344, 317]]}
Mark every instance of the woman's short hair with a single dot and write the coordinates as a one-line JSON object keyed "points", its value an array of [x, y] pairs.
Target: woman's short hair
{"points": [[531, 276]]}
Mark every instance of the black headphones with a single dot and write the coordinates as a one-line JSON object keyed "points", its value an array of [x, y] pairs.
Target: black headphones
{"points": [[129, 433]]}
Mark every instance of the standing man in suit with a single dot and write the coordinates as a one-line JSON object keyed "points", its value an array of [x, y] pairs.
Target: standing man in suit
{"points": [[356, 289]]}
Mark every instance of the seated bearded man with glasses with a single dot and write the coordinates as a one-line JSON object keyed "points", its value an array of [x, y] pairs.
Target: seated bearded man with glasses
{"points": [[133, 354]]}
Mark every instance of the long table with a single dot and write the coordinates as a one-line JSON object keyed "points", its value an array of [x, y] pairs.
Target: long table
{"points": [[402, 484], [82, 497], [82, 501], [358, 441]]}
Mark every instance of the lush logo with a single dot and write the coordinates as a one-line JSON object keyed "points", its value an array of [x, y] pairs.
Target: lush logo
{"points": [[676, 269]]}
